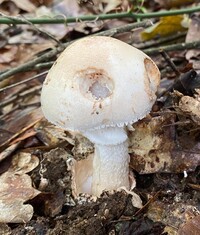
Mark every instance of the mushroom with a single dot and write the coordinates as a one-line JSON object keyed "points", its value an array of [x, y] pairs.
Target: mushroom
{"points": [[98, 86]]}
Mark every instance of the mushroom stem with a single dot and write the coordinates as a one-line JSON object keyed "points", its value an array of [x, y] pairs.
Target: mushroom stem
{"points": [[111, 159], [111, 164]]}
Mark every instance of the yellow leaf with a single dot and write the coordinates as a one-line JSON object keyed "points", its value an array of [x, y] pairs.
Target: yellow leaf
{"points": [[167, 25]]}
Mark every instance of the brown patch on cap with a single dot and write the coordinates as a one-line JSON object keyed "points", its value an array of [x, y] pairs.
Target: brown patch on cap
{"points": [[152, 72], [94, 83], [152, 78]]}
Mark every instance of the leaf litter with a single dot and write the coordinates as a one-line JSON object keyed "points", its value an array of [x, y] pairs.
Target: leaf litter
{"points": [[36, 157], [16, 188]]}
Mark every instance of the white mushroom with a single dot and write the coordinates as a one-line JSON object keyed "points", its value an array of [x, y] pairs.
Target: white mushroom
{"points": [[98, 86]]}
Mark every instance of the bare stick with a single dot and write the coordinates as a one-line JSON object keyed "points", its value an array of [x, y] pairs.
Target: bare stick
{"points": [[129, 14], [26, 21], [170, 62], [175, 47], [20, 95], [23, 81], [160, 41]]}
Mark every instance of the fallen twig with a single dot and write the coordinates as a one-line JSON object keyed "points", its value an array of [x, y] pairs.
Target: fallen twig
{"points": [[20, 95], [175, 47], [7, 152], [170, 62], [23, 81], [23, 20], [7, 142], [160, 41], [129, 14], [45, 65]]}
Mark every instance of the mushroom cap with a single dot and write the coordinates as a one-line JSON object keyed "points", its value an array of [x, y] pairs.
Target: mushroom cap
{"points": [[98, 82]]}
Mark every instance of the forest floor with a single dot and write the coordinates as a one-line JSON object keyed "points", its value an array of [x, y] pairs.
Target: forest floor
{"points": [[36, 193]]}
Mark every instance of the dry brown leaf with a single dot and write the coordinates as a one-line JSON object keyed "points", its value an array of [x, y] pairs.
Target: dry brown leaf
{"points": [[43, 2], [111, 5], [155, 147], [82, 147], [191, 107], [23, 163], [20, 119], [12, 55], [24, 136], [192, 226], [27, 52], [20, 126], [15, 190], [174, 214], [25, 5], [4, 134], [150, 145], [59, 11], [9, 8], [5, 229], [8, 54], [50, 134], [67, 7], [62, 9]]}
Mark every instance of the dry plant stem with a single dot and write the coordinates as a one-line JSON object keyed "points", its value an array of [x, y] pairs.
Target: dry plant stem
{"points": [[54, 52], [32, 63], [7, 142], [23, 106], [140, 16], [24, 81], [26, 21], [7, 152], [157, 42], [20, 95], [149, 201], [45, 65], [175, 47], [170, 62], [125, 28]]}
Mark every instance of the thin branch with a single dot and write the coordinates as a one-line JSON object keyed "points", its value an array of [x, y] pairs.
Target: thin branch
{"points": [[6, 20], [26, 21], [20, 95], [30, 64], [48, 55], [6, 143], [124, 28], [159, 41], [23, 81], [45, 65], [175, 47], [170, 62]]}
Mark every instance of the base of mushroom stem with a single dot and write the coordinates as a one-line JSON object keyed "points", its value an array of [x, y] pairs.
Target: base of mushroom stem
{"points": [[82, 172], [82, 185]]}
